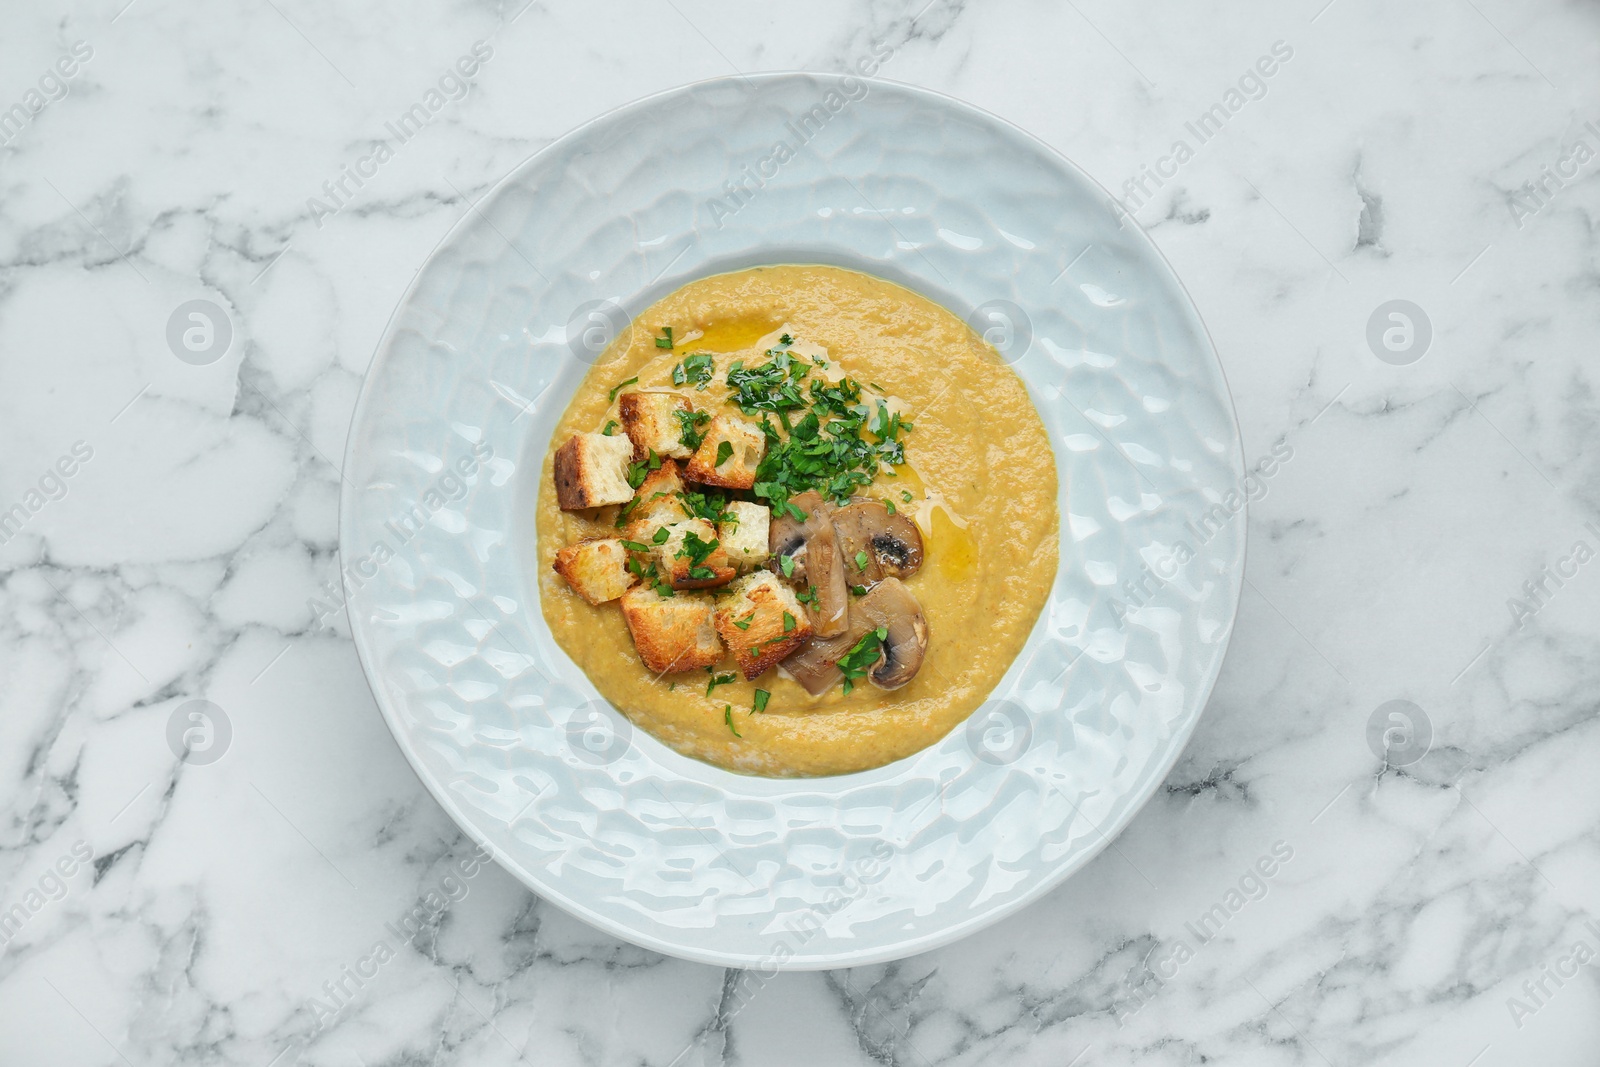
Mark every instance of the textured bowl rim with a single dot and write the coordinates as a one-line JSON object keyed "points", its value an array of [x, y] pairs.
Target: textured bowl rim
{"points": [[877, 954]]}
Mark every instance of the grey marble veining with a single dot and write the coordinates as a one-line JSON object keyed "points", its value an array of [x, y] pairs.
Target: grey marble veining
{"points": [[1426, 535]]}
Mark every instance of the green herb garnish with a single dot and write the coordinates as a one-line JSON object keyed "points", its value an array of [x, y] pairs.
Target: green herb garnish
{"points": [[710, 505], [862, 656], [719, 679], [727, 717], [689, 436], [762, 696], [619, 388], [861, 561], [665, 341], [788, 622], [638, 471], [627, 509], [695, 370], [830, 446], [786, 564], [696, 550], [661, 535], [724, 452], [610, 427]]}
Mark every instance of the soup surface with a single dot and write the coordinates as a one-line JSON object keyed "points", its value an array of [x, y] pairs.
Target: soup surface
{"points": [[979, 479]]}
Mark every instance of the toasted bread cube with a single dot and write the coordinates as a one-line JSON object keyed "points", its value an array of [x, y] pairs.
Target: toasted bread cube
{"points": [[743, 531], [658, 502], [762, 622], [649, 422], [591, 471], [675, 563], [738, 468], [596, 568], [667, 478], [672, 634]]}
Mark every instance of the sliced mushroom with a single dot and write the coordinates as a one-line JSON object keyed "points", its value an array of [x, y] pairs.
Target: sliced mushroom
{"points": [[787, 535], [889, 605], [818, 562], [815, 664], [890, 545]]}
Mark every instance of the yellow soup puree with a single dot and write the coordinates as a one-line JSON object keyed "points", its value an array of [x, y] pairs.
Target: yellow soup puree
{"points": [[982, 482]]}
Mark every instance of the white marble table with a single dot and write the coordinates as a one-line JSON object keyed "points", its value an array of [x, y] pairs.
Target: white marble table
{"points": [[176, 518]]}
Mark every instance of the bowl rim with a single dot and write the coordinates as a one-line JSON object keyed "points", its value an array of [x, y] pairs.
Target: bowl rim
{"points": [[898, 949]]}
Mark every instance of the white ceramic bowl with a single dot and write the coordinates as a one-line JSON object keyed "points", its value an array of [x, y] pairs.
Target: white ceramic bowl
{"points": [[481, 357]]}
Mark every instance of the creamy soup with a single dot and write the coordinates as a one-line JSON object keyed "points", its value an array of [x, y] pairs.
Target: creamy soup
{"points": [[979, 480]]}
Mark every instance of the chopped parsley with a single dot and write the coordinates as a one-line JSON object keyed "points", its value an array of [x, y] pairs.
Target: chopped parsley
{"points": [[689, 436], [611, 425], [665, 340], [786, 564], [862, 561], [695, 370], [727, 717], [828, 447], [634, 546], [697, 551], [762, 696], [710, 505], [788, 622], [638, 471], [905, 494], [661, 535], [773, 386], [724, 452], [744, 623], [718, 679], [862, 656], [619, 387], [858, 590]]}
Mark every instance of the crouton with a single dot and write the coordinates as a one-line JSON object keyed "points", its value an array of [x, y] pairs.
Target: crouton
{"points": [[743, 532], [657, 502], [649, 422], [591, 471], [686, 564], [762, 622], [672, 634], [738, 444], [596, 568]]}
